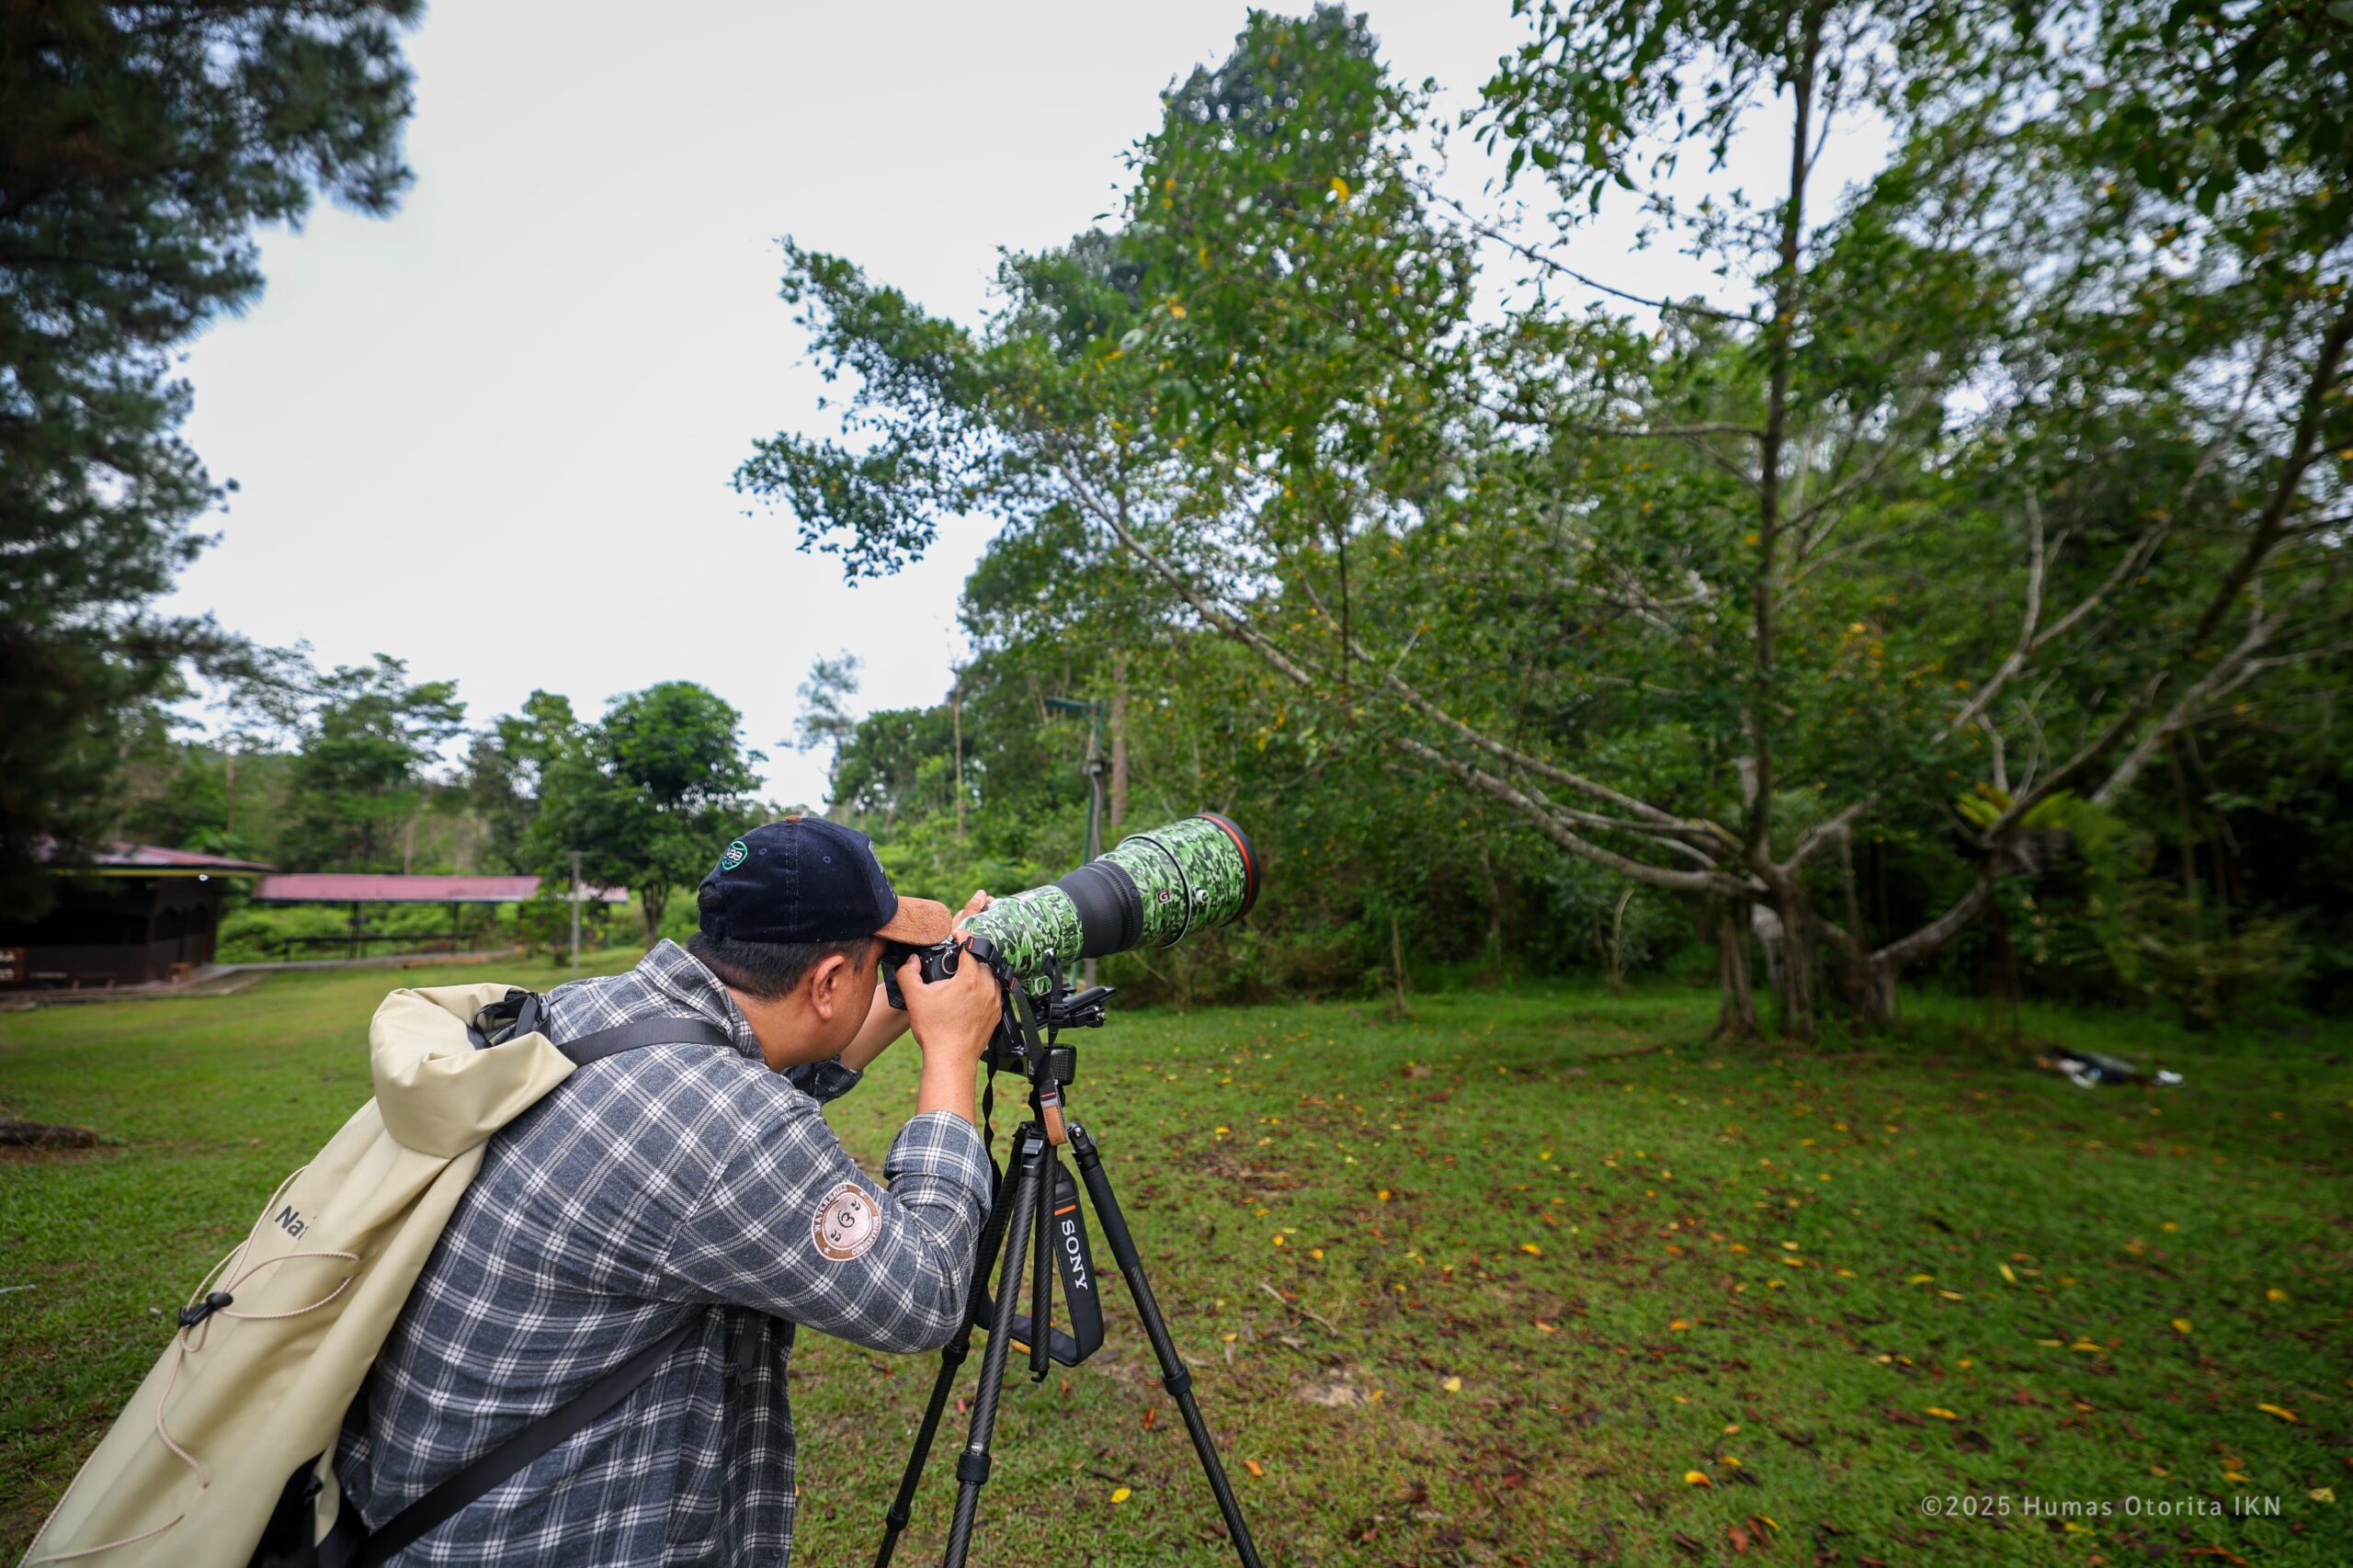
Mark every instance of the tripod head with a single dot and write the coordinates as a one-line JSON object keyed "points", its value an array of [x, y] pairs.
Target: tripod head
{"points": [[1034, 1014]]}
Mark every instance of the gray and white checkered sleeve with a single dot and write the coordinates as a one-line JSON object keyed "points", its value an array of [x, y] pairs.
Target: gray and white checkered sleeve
{"points": [[790, 1226]]}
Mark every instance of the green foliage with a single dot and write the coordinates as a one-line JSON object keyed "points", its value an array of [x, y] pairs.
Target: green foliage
{"points": [[361, 768], [506, 767], [647, 796], [1979, 480], [144, 145]]}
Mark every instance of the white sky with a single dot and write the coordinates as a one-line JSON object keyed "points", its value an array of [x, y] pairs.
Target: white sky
{"points": [[494, 434]]}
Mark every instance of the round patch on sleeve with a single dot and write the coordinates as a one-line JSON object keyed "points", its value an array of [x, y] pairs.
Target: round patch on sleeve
{"points": [[848, 1221]]}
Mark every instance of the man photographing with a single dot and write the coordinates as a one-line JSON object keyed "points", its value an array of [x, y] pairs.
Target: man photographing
{"points": [[690, 1181]]}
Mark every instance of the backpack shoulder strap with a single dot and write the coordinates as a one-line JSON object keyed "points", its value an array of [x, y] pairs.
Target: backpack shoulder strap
{"points": [[347, 1546], [526, 1012], [641, 1032], [510, 1458]]}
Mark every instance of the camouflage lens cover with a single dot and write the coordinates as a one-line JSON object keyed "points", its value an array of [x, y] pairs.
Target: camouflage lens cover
{"points": [[1191, 875]]}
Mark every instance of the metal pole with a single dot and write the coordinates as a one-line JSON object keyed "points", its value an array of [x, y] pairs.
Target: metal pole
{"points": [[575, 915], [1094, 801]]}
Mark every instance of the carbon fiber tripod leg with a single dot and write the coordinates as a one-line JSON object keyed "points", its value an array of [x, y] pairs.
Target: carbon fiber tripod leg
{"points": [[951, 1361], [973, 1464], [1174, 1377]]}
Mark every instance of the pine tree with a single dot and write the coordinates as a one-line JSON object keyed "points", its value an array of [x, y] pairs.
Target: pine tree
{"points": [[140, 148]]}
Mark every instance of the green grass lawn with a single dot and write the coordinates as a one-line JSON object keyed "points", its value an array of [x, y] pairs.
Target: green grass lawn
{"points": [[1492, 1284]]}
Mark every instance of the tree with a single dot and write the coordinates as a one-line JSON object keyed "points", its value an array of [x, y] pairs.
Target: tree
{"points": [[144, 143], [506, 770], [827, 723], [362, 768], [647, 795], [1657, 592]]}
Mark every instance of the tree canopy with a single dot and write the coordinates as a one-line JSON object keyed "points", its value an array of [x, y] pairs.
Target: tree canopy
{"points": [[144, 145]]}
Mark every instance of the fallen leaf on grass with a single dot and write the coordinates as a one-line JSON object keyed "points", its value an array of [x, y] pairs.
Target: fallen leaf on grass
{"points": [[1331, 1396], [1697, 1478], [2182, 1325], [1254, 1467], [2084, 1345], [2274, 1410], [2322, 1494], [1531, 1249], [1543, 1327], [1940, 1411], [2007, 1274], [1451, 1385], [1921, 1280], [2275, 1294], [1149, 1418], [1120, 1494], [1679, 1326]]}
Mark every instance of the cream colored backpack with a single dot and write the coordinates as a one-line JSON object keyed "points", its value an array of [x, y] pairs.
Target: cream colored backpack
{"points": [[231, 1435]]}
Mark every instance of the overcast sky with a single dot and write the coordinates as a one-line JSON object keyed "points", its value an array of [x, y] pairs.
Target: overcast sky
{"points": [[493, 434]]}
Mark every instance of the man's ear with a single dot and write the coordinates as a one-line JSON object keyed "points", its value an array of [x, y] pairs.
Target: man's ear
{"points": [[837, 979], [825, 982]]}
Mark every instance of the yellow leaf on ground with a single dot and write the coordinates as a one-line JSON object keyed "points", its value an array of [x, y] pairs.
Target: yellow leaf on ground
{"points": [[1697, 1478], [2275, 1294], [2322, 1494], [2074, 1529], [2007, 1274], [1451, 1385], [1531, 1249], [1120, 1494], [2084, 1345], [1340, 187], [2182, 1323], [1921, 1280], [1949, 1295], [1679, 1326], [2274, 1410], [1940, 1413], [1543, 1327], [1254, 1467], [2233, 1475]]}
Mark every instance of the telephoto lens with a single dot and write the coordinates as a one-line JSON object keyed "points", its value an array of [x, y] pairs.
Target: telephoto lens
{"points": [[1151, 890]]}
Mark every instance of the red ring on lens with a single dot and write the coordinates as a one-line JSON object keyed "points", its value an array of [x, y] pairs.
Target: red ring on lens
{"points": [[1249, 859]]}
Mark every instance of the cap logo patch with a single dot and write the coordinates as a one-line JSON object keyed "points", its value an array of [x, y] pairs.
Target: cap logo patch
{"points": [[735, 856], [846, 1223]]}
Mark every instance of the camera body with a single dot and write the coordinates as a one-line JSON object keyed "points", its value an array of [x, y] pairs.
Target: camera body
{"points": [[1052, 1003]]}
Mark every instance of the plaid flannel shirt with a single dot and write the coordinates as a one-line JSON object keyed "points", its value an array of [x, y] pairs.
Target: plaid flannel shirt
{"points": [[654, 1185]]}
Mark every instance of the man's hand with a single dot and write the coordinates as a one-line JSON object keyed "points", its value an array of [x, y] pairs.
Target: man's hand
{"points": [[952, 1019]]}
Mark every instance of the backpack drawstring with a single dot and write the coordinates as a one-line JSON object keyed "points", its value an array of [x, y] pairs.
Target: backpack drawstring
{"points": [[194, 1331]]}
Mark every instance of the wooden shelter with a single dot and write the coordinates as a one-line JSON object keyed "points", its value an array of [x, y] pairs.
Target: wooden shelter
{"points": [[131, 915]]}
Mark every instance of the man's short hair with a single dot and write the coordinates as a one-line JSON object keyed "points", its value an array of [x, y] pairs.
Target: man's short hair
{"points": [[767, 969]]}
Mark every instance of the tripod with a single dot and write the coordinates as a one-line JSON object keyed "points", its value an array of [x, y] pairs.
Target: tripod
{"points": [[1042, 1219]]}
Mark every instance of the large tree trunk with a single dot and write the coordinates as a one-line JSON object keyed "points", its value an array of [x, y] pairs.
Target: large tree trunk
{"points": [[1736, 1015], [1801, 970]]}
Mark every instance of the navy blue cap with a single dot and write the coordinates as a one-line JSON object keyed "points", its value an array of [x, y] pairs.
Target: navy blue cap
{"points": [[807, 879]]}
